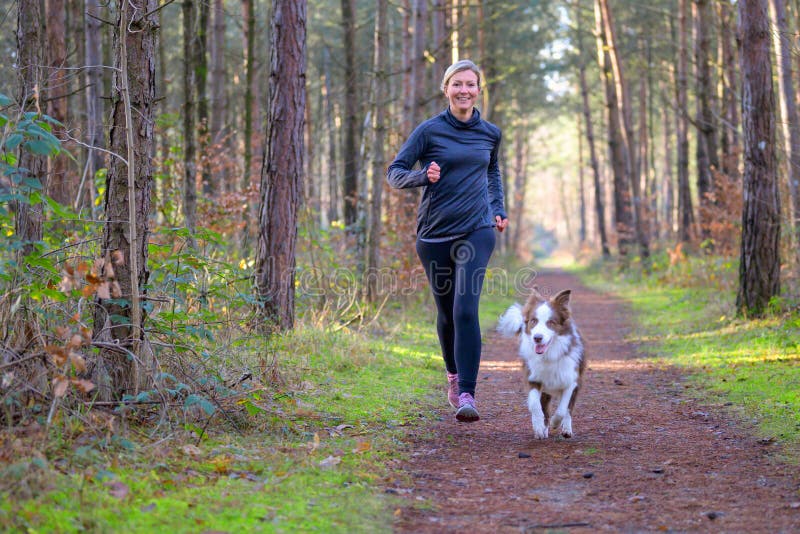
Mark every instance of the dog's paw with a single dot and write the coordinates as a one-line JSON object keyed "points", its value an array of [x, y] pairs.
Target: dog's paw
{"points": [[540, 432], [566, 427]]}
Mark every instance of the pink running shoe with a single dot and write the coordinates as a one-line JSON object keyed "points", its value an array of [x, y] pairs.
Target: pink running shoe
{"points": [[452, 389], [466, 412]]}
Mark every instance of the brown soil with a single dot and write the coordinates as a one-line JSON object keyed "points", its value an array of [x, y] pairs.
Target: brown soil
{"points": [[645, 456]]}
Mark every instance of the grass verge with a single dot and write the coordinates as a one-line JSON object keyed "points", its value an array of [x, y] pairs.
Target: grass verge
{"points": [[688, 321], [311, 456]]}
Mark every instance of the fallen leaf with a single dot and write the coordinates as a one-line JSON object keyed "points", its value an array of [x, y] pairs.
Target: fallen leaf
{"points": [[104, 291], [362, 447]]}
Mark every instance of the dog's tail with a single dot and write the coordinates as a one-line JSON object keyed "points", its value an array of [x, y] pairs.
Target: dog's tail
{"points": [[511, 322]]}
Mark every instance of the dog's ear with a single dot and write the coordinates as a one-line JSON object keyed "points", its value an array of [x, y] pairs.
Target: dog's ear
{"points": [[562, 299], [535, 294]]}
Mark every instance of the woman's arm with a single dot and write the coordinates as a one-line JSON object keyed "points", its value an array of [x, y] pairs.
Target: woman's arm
{"points": [[496, 198], [400, 174]]}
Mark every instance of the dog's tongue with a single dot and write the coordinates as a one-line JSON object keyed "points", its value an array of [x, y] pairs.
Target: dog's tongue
{"points": [[540, 348]]}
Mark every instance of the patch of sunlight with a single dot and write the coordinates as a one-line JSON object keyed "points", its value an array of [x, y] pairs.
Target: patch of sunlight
{"points": [[496, 365]]}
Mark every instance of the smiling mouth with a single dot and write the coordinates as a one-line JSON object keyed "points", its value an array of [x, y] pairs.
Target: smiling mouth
{"points": [[540, 347]]}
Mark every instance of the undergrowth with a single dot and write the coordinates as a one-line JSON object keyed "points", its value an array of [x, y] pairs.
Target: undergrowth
{"points": [[685, 316]]}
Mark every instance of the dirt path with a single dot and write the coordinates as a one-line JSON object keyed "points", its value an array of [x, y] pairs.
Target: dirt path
{"points": [[644, 457]]}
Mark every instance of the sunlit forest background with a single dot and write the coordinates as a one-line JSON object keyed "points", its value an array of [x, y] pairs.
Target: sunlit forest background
{"points": [[631, 131]]}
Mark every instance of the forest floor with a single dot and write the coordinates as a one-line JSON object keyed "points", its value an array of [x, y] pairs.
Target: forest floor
{"points": [[646, 455]]}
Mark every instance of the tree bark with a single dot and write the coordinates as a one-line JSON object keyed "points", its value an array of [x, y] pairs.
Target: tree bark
{"points": [[759, 264], [381, 69], [249, 76], [94, 101], [599, 208], [282, 171], [790, 121], [218, 102], [629, 143], [623, 210], [61, 184], [730, 107], [200, 61], [189, 110], [685, 211], [27, 216], [350, 152], [707, 156], [127, 208]]}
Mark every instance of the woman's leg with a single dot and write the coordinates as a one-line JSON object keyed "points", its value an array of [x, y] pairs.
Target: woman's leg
{"points": [[471, 255], [440, 270]]}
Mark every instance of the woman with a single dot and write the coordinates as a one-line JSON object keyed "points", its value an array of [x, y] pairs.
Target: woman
{"points": [[461, 203]]}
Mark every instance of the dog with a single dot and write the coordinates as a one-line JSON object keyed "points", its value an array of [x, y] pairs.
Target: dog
{"points": [[553, 358]]}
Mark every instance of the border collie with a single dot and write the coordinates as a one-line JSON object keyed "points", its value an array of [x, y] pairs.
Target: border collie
{"points": [[552, 351]]}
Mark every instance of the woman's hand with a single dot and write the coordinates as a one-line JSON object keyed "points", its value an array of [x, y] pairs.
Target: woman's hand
{"points": [[434, 172], [501, 223]]}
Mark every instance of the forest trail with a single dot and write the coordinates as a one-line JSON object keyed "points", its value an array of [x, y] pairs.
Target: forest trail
{"points": [[645, 457]]}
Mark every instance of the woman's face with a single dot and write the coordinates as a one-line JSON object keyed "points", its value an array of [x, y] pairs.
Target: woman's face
{"points": [[462, 91]]}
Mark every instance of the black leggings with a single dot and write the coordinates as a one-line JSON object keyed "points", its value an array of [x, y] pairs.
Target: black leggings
{"points": [[455, 271]]}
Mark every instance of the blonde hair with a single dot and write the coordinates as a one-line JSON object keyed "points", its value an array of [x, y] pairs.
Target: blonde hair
{"points": [[457, 67]]}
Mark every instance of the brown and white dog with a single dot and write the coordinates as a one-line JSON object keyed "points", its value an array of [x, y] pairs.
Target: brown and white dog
{"points": [[552, 351]]}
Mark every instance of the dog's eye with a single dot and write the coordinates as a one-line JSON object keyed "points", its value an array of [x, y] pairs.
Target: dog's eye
{"points": [[533, 322], [551, 323]]}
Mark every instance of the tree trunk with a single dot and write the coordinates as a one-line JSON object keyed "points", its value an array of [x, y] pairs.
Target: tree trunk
{"points": [[521, 149], [249, 76], [685, 211], [707, 158], [282, 171], [94, 101], [350, 152], [189, 146], [218, 100], [28, 217], [623, 211], [581, 188], [119, 321], [667, 183], [61, 186], [199, 49], [333, 165], [790, 121], [730, 106], [629, 143], [374, 226], [599, 208], [759, 264]]}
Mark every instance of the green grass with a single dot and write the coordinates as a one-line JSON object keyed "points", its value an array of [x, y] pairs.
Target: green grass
{"points": [[751, 364], [315, 459]]}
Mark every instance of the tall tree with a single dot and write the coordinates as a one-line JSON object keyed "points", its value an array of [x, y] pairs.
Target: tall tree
{"points": [[626, 112], [28, 216], [61, 186], [623, 210], [249, 17], [282, 170], [94, 100], [218, 100], [790, 121], [118, 322], [685, 212], [350, 151], [381, 91], [189, 110], [729, 141], [759, 263], [200, 62], [707, 155]]}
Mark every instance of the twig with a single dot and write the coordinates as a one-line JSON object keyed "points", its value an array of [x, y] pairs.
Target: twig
{"points": [[21, 360], [557, 525]]}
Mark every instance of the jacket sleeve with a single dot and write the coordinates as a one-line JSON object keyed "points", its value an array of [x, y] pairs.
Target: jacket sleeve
{"points": [[400, 174], [496, 197]]}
